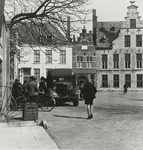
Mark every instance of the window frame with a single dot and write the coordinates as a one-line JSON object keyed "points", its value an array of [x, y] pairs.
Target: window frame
{"points": [[132, 23], [127, 40], [139, 60], [63, 56], [48, 56], [104, 61], [128, 80], [36, 56], [105, 81], [37, 73], [127, 61], [116, 80], [116, 61], [138, 40], [140, 81]]}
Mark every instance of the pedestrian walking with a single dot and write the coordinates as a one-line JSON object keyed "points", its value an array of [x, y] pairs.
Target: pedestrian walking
{"points": [[125, 88], [81, 91], [89, 91], [32, 88]]}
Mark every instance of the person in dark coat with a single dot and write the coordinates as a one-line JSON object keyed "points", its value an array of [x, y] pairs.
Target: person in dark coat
{"points": [[32, 88], [81, 91], [16, 89], [16, 92], [42, 85], [24, 88], [125, 88], [49, 80], [89, 91]]}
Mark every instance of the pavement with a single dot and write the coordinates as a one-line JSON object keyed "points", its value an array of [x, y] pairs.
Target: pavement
{"points": [[18, 134]]}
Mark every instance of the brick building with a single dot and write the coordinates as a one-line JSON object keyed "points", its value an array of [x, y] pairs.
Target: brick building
{"points": [[119, 49], [84, 57]]}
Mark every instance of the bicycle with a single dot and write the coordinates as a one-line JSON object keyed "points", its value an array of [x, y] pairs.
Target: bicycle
{"points": [[46, 102], [11, 104]]}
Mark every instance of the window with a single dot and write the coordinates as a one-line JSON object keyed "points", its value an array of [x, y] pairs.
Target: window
{"points": [[128, 80], [139, 80], [37, 74], [63, 56], [139, 60], [116, 80], [49, 38], [36, 55], [133, 23], [84, 61], [104, 61], [26, 74], [127, 61], [48, 56], [81, 58], [105, 81], [138, 40], [127, 40], [116, 60]]}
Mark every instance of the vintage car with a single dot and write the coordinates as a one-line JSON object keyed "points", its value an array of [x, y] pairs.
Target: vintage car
{"points": [[64, 86]]}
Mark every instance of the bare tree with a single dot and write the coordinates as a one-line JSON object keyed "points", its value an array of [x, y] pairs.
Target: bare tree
{"points": [[44, 19]]}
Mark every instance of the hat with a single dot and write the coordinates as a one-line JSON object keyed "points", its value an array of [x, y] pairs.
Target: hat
{"points": [[32, 78]]}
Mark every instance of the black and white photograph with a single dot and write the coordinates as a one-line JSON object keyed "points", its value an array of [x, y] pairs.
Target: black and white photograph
{"points": [[71, 74]]}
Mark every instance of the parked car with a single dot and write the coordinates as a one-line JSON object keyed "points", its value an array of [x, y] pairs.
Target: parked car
{"points": [[64, 86]]}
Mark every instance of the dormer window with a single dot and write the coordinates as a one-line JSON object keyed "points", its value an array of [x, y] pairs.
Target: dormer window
{"points": [[132, 23], [49, 38]]}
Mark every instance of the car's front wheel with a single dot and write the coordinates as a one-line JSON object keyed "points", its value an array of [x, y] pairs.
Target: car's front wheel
{"points": [[76, 101]]}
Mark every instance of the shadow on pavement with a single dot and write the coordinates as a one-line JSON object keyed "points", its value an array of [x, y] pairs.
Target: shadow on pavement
{"points": [[136, 99], [69, 117], [65, 104]]}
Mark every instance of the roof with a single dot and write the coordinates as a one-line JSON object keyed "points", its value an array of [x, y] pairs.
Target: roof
{"points": [[106, 33], [30, 33]]}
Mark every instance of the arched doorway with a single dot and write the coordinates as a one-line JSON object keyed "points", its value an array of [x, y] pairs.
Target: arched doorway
{"points": [[81, 79]]}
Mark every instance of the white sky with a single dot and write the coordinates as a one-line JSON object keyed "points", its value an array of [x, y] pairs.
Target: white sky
{"points": [[112, 10]]}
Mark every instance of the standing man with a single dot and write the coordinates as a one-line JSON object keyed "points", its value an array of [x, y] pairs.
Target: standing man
{"points": [[125, 88], [32, 88], [89, 91]]}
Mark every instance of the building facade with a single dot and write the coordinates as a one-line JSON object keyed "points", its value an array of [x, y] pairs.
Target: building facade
{"points": [[119, 49], [84, 57], [37, 60]]}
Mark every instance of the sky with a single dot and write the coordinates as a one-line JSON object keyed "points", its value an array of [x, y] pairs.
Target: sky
{"points": [[112, 10]]}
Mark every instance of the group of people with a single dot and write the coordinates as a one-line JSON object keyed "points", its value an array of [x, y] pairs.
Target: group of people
{"points": [[30, 89], [88, 93]]}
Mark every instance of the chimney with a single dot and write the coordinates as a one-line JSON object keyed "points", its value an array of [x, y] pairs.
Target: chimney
{"points": [[68, 28], [94, 18], [83, 32]]}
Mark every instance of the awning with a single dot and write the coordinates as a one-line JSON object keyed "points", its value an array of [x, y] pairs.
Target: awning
{"points": [[61, 72], [1, 13]]}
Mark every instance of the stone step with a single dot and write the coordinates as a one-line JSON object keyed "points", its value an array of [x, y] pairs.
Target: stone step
{"points": [[18, 124]]}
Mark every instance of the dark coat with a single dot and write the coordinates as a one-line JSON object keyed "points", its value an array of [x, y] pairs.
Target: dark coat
{"points": [[32, 88], [89, 91]]}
